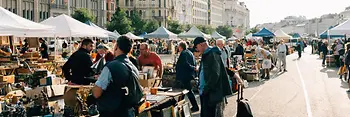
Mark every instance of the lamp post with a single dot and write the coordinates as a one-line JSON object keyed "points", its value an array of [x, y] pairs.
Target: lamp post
{"points": [[68, 6]]}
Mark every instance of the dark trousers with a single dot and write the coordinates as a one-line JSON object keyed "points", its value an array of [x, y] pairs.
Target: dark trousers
{"points": [[299, 53], [187, 85], [207, 109], [337, 61], [324, 58]]}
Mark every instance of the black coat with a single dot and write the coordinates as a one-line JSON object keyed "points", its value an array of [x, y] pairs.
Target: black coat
{"points": [[185, 66], [78, 67]]}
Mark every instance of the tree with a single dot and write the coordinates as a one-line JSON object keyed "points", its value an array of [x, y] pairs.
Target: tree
{"points": [[83, 15], [175, 27], [187, 27], [207, 29], [225, 31], [252, 30], [120, 22], [137, 23], [151, 26]]}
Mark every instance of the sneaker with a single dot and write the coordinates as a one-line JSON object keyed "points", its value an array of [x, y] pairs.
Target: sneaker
{"points": [[194, 109]]}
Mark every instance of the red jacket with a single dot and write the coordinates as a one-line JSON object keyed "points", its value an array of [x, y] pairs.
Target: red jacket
{"points": [[108, 57]]}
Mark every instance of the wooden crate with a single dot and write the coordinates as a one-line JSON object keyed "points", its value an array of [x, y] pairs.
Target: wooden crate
{"points": [[8, 79], [4, 40]]}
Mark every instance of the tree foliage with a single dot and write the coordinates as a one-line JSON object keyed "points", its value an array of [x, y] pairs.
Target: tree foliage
{"points": [[207, 29], [83, 15], [151, 26], [252, 30], [120, 22], [225, 31], [175, 27], [137, 23]]}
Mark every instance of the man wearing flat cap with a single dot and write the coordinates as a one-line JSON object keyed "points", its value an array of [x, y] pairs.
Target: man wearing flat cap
{"points": [[214, 82]]}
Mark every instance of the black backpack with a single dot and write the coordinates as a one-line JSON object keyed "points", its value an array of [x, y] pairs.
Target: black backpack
{"points": [[132, 90], [243, 107]]}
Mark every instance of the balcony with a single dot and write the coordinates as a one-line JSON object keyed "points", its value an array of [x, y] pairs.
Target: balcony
{"points": [[56, 6]]}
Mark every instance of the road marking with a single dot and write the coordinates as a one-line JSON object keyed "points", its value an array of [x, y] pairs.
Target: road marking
{"points": [[308, 107]]}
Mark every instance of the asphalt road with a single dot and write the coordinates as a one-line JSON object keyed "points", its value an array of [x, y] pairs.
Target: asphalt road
{"points": [[306, 90]]}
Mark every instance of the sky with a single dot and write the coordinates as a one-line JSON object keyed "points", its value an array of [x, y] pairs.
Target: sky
{"points": [[269, 11]]}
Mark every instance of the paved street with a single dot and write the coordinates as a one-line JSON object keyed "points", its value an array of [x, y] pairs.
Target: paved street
{"points": [[306, 90]]}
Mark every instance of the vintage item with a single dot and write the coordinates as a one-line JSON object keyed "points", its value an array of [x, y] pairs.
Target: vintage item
{"points": [[51, 91], [50, 81], [154, 90], [147, 83], [4, 40], [7, 79]]}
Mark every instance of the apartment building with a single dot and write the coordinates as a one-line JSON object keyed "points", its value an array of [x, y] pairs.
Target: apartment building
{"points": [[236, 15], [200, 12], [160, 10], [183, 11], [215, 13], [98, 8], [35, 10]]}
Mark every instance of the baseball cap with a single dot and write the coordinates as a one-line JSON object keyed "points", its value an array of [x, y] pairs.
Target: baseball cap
{"points": [[198, 40]]}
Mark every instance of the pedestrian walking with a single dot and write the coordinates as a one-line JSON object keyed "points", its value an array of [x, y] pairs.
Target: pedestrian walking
{"points": [[214, 82], [324, 50], [282, 53]]}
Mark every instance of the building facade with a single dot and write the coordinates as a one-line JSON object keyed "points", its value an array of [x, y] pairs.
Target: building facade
{"points": [[160, 10], [183, 11], [346, 13], [98, 8], [236, 15], [200, 12], [215, 13], [35, 10]]}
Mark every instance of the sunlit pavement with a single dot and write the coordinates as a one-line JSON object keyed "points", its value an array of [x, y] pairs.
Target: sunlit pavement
{"points": [[306, 90]]}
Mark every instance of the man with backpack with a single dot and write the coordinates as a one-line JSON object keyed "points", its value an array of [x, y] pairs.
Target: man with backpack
{"points": [[117, 90]]}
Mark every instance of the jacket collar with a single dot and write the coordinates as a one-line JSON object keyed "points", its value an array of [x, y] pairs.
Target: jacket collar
{"points": [[121, 57], [84, 50]]}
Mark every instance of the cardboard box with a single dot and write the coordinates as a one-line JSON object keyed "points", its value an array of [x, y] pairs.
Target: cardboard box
{"points": [[52, 91], [8, 79], [33, 42], [147, 83], [50, 81]]}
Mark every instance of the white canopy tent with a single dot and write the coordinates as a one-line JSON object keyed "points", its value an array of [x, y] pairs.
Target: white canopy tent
{"points": [[232, 38], [109, 33], [282, 35], [68, 27], [161, 32], [341, 29], [132, 36], [116, 32], [216, 35], [249, 36], [12, 24], [193, 33]]}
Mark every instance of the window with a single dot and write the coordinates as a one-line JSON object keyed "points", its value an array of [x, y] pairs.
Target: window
{"points": [[24, 13], [160, 3], [131, 2], [131, 12], [41, 15], [127, 13], [153, 13], [126, 2], [164, 3], [140, 12], [160, 13], [112, 6]]}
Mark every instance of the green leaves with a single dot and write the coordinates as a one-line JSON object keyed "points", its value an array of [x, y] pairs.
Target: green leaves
{"points": [[225, 31], [151, 26], [83, 15], [207, 29], [120, 22], [175, 27], [137, 23]]}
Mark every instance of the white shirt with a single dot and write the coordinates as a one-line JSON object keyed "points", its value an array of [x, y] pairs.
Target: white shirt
{"points": [[259, 54], [281, 48]]}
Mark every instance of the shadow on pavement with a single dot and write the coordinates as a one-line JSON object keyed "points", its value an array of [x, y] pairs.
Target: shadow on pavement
{"points": [[255, 84], [297, 59], [344, 84], [331, 72]]}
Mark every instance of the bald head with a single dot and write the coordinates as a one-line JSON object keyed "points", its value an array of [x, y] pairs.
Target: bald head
{"points": [[220, 43]]}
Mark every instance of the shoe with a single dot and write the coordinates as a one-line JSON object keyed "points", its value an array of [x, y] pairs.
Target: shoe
{"points": [[348, 91], [194, 109], [341, 76], [285, 70], [280, 70]]}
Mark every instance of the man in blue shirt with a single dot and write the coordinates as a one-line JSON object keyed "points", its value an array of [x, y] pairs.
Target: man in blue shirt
{"points": [[107, 89], [214, 82]]}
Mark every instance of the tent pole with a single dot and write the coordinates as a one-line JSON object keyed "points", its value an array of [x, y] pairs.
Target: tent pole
{"points": [[55, 46], [329, 40]]}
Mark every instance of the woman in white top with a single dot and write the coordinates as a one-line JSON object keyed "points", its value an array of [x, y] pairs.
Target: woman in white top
{"points": [[266, 64]]}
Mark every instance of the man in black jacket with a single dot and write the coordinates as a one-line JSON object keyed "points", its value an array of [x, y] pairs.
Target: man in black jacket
{"points": [[214, 82], [78, 66], [185, 72]]}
